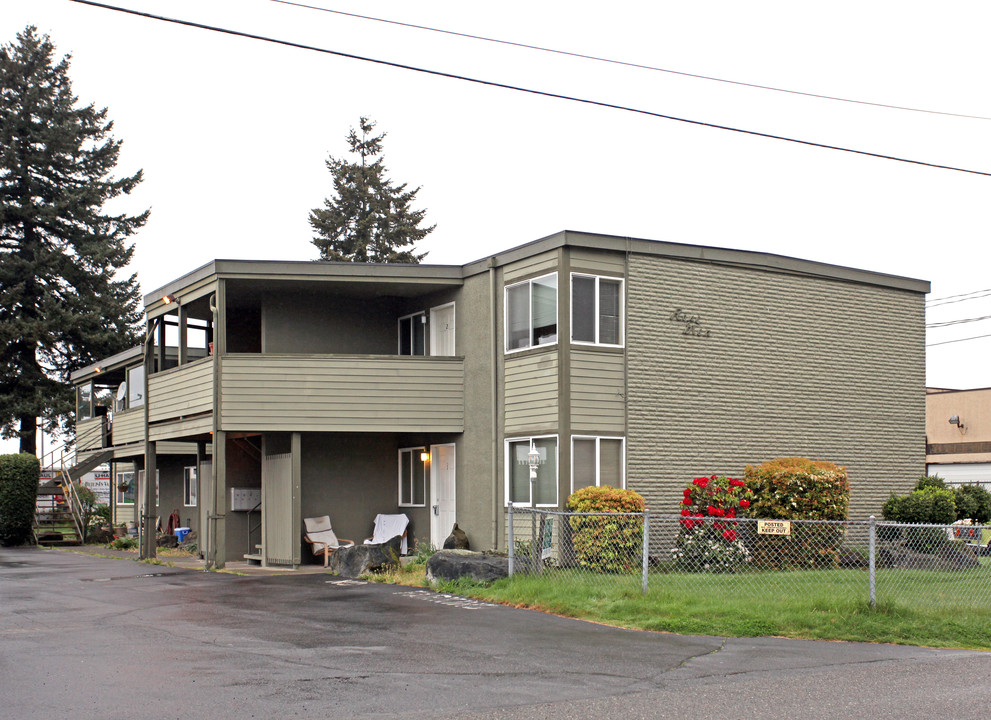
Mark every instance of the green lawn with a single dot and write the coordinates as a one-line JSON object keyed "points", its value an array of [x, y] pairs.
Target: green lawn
{"points": [[915, 607]]}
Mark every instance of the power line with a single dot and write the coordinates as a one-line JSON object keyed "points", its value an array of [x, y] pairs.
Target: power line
{"points": [[947, 342], [963, 297], [531, 91], [947, 323], [625, 63]]}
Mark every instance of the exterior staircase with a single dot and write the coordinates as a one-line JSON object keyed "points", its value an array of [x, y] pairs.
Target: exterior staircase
{"points": [[59, 517]]}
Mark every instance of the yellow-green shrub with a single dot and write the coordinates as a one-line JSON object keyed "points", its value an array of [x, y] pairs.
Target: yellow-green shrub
{"points": [[602, 543]]}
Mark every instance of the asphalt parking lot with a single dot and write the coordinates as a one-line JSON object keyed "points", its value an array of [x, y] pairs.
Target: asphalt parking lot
{"points": [[88, 637]]}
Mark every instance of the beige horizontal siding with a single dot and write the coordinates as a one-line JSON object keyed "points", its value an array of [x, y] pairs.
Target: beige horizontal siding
{"points": [[532, 392], [129, 426], [530, 267], [598, 404], [174, 429], [360, 393], [792, 365], [591, 262], [89, 434], [181, 391]]}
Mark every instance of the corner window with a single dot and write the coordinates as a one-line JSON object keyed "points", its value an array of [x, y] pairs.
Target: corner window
{"points": [[84, 401], [413, 334], [412, 477], [531, 313], [518, 486], [126, 488], [596, 310], [189, 486], [597, 461]]}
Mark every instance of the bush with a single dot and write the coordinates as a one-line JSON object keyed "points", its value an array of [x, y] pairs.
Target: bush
{"points": [[973, 502], [930, 503], [799, 489], [19, 477], [605, 544], [708, 540], [123, 543]]}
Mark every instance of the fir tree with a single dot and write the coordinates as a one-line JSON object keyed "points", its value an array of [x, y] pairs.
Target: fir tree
{"points": [[63, 302], [369, 219]]}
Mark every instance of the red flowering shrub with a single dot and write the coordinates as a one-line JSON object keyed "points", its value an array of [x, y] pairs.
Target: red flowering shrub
{"points": [[603, 543], [711, 546]]}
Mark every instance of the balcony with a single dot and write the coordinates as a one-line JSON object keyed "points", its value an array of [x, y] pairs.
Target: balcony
{"points": [[341, 393]]}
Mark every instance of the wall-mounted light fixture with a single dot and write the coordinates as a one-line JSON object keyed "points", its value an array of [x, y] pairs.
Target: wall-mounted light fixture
{"points": [[98, 369], [955, 420], [425, 456], [168, 299]]}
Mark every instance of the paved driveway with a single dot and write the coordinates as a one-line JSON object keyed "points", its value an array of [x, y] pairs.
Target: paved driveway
{"points": [[87, 637]]}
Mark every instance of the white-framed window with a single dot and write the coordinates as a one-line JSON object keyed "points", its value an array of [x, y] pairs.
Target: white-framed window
{"points": [[127, 489], [597, 460], [136, 386], [413, 334], [189, 486], [84, 401], [531, 313], [596, 310], [158, 484], [412, 477], [518, 488]]}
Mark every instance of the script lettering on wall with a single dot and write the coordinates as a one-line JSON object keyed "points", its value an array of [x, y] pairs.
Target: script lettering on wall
{"points": [[691, 324]]}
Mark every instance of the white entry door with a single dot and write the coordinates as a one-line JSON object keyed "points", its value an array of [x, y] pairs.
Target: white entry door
{"points": [[442, 493], [442, 331]]}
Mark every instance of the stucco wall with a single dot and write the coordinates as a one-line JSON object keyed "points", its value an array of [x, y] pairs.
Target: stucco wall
{"points": [[772, 365]]}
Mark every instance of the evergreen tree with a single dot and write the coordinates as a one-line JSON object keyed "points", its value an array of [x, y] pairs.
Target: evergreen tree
{"points": [[370, 219], [62, 302]]}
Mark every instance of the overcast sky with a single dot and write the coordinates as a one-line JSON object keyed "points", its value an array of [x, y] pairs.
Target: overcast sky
{"points": [[232, 133]]}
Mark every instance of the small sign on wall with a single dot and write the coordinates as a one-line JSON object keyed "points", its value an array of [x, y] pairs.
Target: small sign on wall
{"points": [[245, 499]]}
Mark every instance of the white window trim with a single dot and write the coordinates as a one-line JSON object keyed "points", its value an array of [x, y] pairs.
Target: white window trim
{"points": [[598, 464], [399, 333], [529, 310], [195, 483], [399, 472], [622, 309], [557, 465], [120, 494]]}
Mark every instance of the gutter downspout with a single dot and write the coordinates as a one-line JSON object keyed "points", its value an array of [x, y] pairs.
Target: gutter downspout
{"points": [[493, 398]]}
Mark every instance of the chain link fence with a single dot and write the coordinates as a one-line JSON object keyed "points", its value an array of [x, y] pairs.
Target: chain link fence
{"points": [[945, 566]]}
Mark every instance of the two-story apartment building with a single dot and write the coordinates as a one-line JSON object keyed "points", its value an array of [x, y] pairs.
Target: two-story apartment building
{"points": [[273, 391]]}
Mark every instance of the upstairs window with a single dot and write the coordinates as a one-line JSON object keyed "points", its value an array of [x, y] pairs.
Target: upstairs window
{"points": [[596, 310], [136, 386], [531, 313], [413, 334], [84, 401]]}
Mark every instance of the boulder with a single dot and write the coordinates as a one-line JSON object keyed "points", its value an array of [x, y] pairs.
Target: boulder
{"points": [[100, 536], [167, 541], [454, 564], [357, 560], [457, 540]]}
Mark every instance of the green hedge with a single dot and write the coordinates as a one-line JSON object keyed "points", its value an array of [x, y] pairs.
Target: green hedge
{"points": [[601, 543], [19, 475]]}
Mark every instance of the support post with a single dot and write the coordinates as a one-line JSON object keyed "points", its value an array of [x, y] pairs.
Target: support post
{"points": [[872, 559], [512, 541], [646, 550], [149, 503]]}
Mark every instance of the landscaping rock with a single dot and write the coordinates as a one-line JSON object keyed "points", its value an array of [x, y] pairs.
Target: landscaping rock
{"points": [[99, 536], [454, 564], [357, 560], [457, 540], [946, 558], [167, 541]]}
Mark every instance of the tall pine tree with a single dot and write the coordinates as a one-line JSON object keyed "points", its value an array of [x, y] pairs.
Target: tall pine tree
{"points": [[63, 301], [368, 219]]}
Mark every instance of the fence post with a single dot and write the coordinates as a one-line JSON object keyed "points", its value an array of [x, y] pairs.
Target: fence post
{"points": [[511, 541], [646, 550], [533, 541], [871, 556]]}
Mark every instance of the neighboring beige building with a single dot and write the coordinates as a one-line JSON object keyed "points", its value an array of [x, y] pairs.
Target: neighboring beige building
{"points": [[958, 435], [293, 389]]}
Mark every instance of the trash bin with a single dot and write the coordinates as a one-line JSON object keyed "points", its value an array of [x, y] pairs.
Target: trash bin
{"points": [[181, 533]]}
